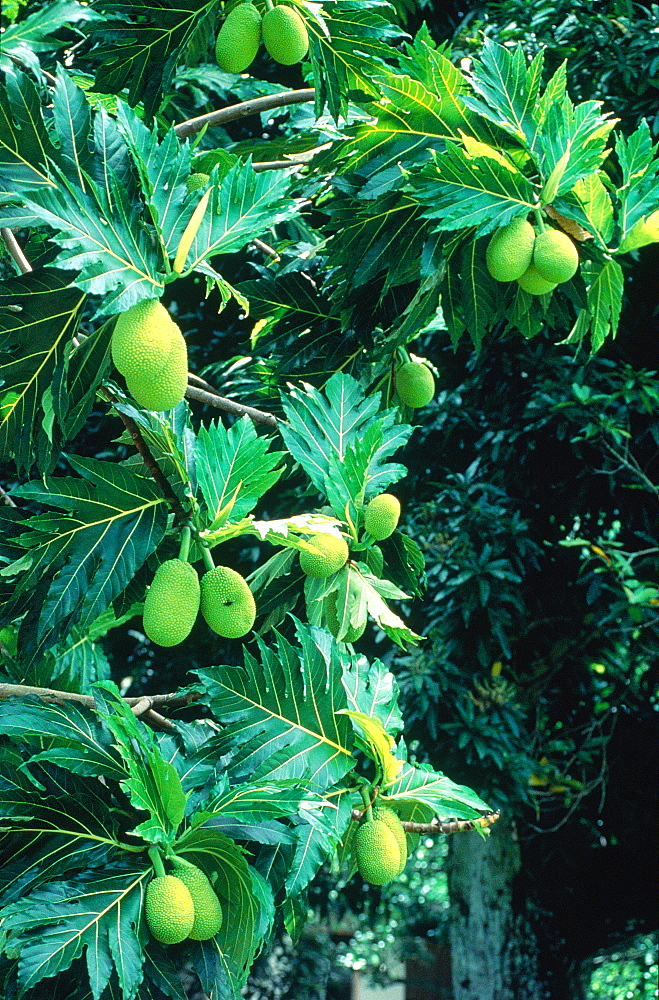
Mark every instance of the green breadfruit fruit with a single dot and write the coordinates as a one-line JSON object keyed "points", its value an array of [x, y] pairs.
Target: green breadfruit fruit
{"points": [[386, 815], [143, 338], [227, 603], [332, 556], [555, 256], [378, 853], [533, 282], [197, 181], [285, 35], [169, 909], [510, 251], [207, 908], [167, 389], [238, 39], [382, 516], [332, 619], [172, 603], [415, 384]]}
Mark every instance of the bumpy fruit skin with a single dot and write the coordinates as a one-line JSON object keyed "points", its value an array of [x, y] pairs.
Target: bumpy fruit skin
{"points": [[510, 251], [555, 256], [238, 39], [197, 181], [533, 282], [285, 35], [415, 384], [166, 389], [172, 603], [332, 620], [207, 909], [378, 853], [335, 555], [143, 338], [227, 603], [382, 516], [392, 820], [169, 909]]}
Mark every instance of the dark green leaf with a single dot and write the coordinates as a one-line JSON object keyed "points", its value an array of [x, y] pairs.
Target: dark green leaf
{"points": [[38, 317], [80, 560]]}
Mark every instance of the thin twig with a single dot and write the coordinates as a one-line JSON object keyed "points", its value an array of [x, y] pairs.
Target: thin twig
{"points": [[267, 250], [239, 409], [14, 249], [192, 377], [257, 105], [6, 499], [49, 76]]}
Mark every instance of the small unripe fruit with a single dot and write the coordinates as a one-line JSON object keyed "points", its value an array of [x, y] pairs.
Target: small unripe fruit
{"points": [[533, 282], [378, 853], [227, 603], [332, 556], [510, 251], [332, 620], [415, 384], [238, 39], [169, 909], [207, 909], [285, 35], [382, 515], [392, 820], [172, 603], [197, 181], [143, 338], [555, 256], [166, 389]]}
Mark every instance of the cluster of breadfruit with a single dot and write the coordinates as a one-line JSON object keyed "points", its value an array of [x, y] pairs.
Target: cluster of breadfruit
{"points": [[149, 350], [536, 262], [182, 905], [381, 518], [176, 596], [381, 846], [282, 30], [414, 384]]}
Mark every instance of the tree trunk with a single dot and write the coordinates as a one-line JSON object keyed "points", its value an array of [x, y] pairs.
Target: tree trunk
{"points": [[494, 954]]}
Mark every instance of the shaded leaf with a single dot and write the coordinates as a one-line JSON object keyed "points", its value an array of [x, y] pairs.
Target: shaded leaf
{"points": [[38, 317], [77, 562]]}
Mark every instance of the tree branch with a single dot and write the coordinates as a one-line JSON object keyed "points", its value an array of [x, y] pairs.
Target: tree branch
{"points": [[239, 409], [15, 250], [450, 826], [278, 164], [50, 694], [254, 107]]}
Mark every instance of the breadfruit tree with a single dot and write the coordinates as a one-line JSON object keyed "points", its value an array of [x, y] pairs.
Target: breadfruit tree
{"points": [[343, 189]]}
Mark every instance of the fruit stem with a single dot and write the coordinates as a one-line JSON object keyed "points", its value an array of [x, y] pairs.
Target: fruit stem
{"points": [[367, 795], [186, 538], [269, 5], [156, 861], [207, 557], [539, 220], [181, 861]]}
